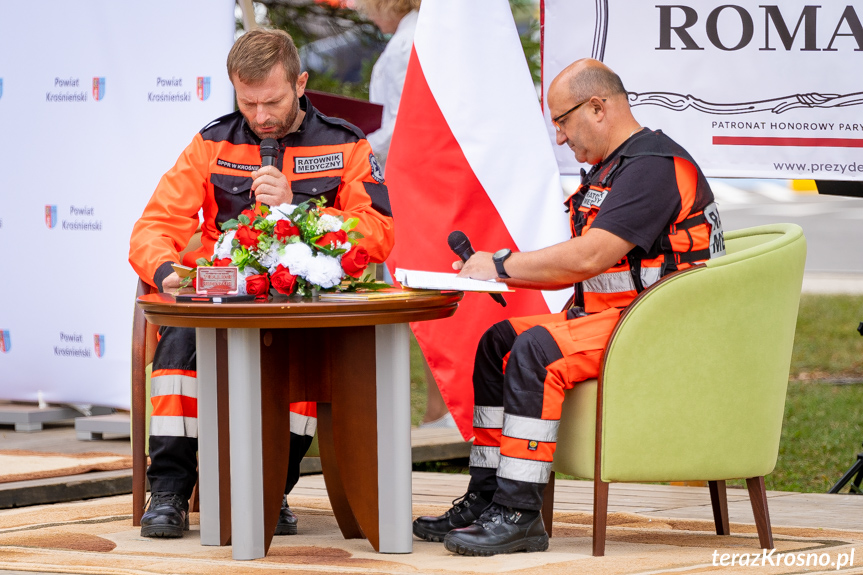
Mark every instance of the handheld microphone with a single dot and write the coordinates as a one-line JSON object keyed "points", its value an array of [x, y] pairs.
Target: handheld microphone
{"points": [[460, 245], [269, 152]]}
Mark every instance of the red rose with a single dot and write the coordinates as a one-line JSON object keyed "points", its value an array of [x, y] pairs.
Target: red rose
{"points": [[248, 237], [222, 262], [355, 261], [284, 281], [285, 229], [258, 285], [334, 238], [249, 214]]}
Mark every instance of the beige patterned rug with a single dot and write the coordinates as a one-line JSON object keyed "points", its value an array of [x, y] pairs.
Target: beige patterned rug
{"points": [[20, 465], [97, 536]]}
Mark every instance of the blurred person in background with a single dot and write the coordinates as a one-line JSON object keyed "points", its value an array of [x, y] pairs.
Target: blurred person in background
{"points": [[399, 18]]}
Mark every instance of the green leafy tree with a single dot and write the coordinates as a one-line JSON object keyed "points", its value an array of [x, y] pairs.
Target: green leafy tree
{"points": [[307, 21]]}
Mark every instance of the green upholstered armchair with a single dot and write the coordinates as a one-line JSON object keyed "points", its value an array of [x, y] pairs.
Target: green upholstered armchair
{"points": [[693, 382]]}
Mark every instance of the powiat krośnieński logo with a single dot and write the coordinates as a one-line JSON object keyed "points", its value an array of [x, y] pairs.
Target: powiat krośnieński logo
{"points": [[203, 87], [99, 344], [51, 216], [98, 88]]}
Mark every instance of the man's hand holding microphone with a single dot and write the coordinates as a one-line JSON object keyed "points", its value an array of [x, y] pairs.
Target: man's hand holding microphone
{"points": [[476, 265], [269, 184]]}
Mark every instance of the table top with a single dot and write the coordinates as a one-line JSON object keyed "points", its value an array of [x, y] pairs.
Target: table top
{"points": [[163, 309]]}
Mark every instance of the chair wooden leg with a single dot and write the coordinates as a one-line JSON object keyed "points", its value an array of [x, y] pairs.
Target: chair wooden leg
{"points": [[548, 504], [600, 516], [758, 498], [139, 492], [719, 501], [194, 500]]}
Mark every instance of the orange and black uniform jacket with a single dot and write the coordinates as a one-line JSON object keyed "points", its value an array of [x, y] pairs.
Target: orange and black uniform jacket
{"points": [[694, 236], [324, 157]]}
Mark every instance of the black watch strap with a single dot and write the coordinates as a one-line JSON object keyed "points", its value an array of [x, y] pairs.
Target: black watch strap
{"points": [[499, 257]]}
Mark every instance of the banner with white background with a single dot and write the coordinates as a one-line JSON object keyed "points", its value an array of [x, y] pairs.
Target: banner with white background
{"points": [[97, 100], [750, 89]]}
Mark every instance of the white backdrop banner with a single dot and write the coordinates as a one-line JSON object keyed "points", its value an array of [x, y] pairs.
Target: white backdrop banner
{"points": [[97, 100], [750, 89]]}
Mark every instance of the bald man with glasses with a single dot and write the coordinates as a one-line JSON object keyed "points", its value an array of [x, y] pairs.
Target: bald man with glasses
{"points": [[644, 210]]}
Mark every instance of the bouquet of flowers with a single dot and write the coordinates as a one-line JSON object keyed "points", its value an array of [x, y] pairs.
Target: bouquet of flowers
{"points": [[292, 249]]}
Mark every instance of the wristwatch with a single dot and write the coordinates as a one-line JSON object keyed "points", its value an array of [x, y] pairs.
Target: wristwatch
{"points": [[498, 258]]}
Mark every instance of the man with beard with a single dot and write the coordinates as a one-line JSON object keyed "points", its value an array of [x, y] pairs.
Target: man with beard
{"points": [[219, 175]]}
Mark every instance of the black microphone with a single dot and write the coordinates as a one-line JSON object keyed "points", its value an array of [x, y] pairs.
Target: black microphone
{"points": [[460, 245], [269, 152]]}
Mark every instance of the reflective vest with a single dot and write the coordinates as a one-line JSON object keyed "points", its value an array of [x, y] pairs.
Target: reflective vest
{"points": [[695, 235]]}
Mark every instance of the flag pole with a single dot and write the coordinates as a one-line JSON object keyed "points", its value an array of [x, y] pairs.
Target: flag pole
{"points": [[248, 10]]}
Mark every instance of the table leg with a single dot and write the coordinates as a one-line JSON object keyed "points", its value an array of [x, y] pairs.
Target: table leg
{"points": [[247, 500], [210, 465], [275, 426], [348, 434], [392, 361]]}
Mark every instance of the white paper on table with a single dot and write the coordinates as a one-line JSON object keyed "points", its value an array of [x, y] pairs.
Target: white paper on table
{"points": [[446, 281]]}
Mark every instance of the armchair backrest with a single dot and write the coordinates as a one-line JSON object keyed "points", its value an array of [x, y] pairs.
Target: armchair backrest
{"points": [[694, 378]]}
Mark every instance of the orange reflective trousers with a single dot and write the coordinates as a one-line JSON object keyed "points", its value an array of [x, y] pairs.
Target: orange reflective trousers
{"points": [[522, 368]]}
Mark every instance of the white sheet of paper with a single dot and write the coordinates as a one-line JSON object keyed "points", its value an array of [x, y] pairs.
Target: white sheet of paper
{"points": [[444, 281]]}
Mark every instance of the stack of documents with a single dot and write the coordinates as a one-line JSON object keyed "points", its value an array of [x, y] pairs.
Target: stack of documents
{"points": [[443, 281]]}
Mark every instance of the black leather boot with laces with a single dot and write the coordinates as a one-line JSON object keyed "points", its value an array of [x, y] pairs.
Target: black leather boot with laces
{"points": [[287, 524], [464, 511], [167, 515], [499, 530]]}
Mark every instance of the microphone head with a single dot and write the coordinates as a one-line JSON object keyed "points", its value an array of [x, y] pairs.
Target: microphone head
{"points": [[457, 240], [269, 148]]}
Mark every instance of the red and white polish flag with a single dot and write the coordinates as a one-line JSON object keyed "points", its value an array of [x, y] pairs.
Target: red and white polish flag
{"points": [[470, 152]]}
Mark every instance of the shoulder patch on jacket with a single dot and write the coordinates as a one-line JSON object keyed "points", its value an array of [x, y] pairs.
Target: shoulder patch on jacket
{"points": [[377, 173]]}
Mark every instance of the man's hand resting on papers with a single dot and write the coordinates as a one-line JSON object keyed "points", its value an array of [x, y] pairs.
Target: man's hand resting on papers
{"points": [[479, 267]]}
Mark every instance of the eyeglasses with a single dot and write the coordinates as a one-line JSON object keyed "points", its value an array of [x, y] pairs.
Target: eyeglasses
{"points": [[557, 121]]}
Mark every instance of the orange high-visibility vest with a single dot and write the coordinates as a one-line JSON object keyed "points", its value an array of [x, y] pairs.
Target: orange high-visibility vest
{"points": [[693, 237]]}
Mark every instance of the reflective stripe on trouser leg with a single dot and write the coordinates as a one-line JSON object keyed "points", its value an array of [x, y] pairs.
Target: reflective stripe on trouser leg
{"points": [[528, 444], [304, 420], [174, 395], [174, 423], [487, 424]]}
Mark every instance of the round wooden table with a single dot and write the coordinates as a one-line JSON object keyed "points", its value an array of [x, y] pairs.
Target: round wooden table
{"points": [[253, 360]]}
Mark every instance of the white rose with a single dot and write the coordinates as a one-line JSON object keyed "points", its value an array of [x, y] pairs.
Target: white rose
{"points": [[280, 212], [223, 247], [325, 271], [329, 223], [295, 257]]}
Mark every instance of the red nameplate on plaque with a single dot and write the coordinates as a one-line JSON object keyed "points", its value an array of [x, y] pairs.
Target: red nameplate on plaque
{"points": [[216, 280]]}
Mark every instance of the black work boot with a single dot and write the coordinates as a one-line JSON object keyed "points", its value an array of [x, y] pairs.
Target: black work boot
{"points": [[167, 515], [464, 511], [499, 530], [287, 524]]}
